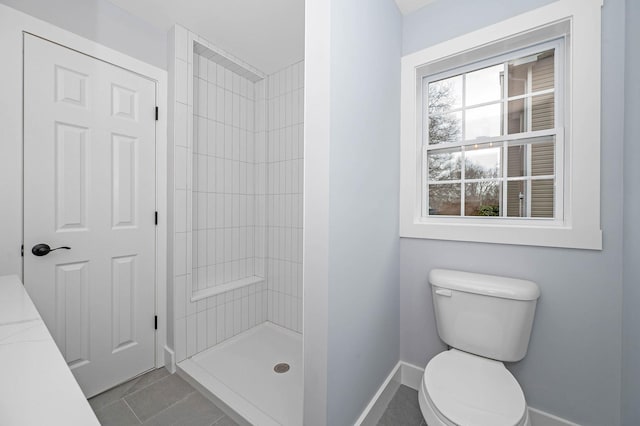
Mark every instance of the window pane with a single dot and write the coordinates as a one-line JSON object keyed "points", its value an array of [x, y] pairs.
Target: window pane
{"points": [[517, 198], [517, 160], [542, 153], [444, 199], [483, 121], [540, 109], [444, 165], [484, 85], [543, 158], [518, 79], [542, 193], [542, 72], [445, 95], [482, 199], [542, 112], [517, 116], [445, 128], [482, 162], [531, 73]]}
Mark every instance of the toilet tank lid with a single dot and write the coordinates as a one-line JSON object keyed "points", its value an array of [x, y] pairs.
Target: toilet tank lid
{"points": [[490, 285]]}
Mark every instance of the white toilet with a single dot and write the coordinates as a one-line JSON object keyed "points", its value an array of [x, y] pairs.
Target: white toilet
{"points": [[485, 320]]}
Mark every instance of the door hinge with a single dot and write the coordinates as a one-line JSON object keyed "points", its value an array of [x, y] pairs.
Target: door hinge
{"points": [[22, 250], [156, 218], [155, 322], [156, 113]]}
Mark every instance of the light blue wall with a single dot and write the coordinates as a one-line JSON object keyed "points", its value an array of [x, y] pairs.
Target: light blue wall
{"points": [[573, 368], [445, 19], [103, 22], [363, 312], [631, 271]]}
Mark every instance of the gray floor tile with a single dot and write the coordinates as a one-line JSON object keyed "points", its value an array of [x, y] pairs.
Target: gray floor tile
{"points": [[112, 395], [398, 417], [154, 398], [194, 410], [403, 409], [147, 379], [159, 399], [117, 414], [108, 397], [405, 395], [225, 421]]}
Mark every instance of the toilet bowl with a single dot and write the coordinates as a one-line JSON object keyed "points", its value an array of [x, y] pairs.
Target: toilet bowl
{"points": [[485, 320], [458, 388]]}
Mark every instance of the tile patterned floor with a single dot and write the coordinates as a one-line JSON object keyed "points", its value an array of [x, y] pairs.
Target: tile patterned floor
{"points": [[157, 398], [162, 399], [403, 410]]}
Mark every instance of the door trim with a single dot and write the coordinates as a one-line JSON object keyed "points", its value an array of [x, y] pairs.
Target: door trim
{"points": [[13, 24]]}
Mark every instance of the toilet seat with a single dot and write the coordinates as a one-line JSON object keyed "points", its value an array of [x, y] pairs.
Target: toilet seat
{"points": [[459, 388]]}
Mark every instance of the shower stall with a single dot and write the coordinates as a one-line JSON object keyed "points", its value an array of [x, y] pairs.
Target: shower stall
{"points": [[235, 300]]}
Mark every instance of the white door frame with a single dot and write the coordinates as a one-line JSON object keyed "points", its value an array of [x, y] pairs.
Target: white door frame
{"points": [[13, 24]]}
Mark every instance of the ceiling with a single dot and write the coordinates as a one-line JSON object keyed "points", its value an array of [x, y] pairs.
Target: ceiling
{"points": [[268, 35]]}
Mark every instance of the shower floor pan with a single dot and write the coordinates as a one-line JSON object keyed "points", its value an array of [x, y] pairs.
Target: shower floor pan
{"points": [[239, 376]]}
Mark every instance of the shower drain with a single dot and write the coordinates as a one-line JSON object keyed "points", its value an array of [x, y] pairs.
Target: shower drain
{"points": [[283, 367]]}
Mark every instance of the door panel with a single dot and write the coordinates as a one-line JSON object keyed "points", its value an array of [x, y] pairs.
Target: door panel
{"points": [[89, 183], [72, 312], [123, 173], [123, 286], [71, 176]]}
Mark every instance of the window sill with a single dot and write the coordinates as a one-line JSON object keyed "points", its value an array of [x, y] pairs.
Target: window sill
{"points": [[529, 235]]}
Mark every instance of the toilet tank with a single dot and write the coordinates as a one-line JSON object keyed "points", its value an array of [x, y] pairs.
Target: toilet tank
{"points": [[485, 315]]}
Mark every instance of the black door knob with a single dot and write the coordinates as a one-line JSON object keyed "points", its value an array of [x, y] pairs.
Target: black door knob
{"points": [[44, 249]]}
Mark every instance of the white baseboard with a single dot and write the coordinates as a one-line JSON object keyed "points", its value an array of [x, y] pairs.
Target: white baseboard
{"points": [[169, 360], [410, 375], [374, 410]]}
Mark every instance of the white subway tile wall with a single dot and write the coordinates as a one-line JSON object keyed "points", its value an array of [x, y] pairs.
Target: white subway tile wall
{"points": [[237, 194], [223, 175], [284, 195], [214, 180]]}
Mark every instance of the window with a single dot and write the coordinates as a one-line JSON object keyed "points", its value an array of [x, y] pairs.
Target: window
{"points": [[501, 132], [492, 132]]}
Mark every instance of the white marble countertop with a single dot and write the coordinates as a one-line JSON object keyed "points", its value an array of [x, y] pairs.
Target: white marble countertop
{"points": [[36, 386]]}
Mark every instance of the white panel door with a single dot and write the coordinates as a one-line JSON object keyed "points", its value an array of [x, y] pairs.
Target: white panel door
{"points": [[89, 184]]}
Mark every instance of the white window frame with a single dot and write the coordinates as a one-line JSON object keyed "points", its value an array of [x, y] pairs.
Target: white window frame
{"points": [[423, 79], [578, 223]]}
